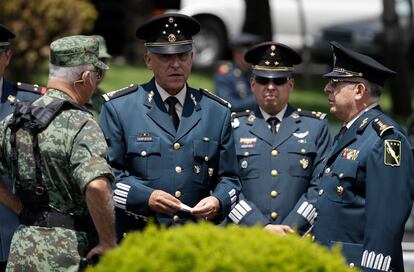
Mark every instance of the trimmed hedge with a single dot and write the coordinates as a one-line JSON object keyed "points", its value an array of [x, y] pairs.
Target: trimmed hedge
{"points": [[207, 248]]}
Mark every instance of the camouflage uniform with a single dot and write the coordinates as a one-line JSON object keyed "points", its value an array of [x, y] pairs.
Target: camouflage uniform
{"points": [[73, 153]]}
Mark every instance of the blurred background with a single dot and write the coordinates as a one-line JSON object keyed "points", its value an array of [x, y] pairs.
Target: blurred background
{"points": [[382, 29]]}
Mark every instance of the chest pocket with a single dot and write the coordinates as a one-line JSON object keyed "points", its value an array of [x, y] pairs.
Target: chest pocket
{"points": [[144, 157], [205, 158], [249, 162], [344, 176], [301, 158]]}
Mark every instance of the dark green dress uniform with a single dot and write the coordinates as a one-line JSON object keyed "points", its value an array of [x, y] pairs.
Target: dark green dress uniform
{"points": [[275, 170], [147, 152], [365, 189]]}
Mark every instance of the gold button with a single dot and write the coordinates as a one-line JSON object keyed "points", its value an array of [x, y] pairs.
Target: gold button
{"points": [[274, 215], [327, 170], [320, 191], [177, 194], [177, 146], [124, 234], [313, 238], [273, 194], [275, 153], [176, 218], [206, 158], [340, 190], [341, 175], [351, 265], [303, 151], [246, 154], [274, 173], [143, 153], [178, 169]]}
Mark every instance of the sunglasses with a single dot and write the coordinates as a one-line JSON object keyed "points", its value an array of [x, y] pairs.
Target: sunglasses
{"points": [[276, 81]]}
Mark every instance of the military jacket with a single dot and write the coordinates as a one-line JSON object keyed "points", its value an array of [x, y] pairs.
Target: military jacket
{"points": [[232, 84], [146, 153], [365, 192], [9, 220], [275, 170], [73, 153]]}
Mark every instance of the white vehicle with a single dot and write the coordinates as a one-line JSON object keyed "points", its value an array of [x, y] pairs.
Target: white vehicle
{"points": [[294, 22]]}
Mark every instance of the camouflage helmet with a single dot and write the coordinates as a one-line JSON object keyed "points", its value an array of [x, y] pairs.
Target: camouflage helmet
{"points": [[103, 50], [76, 50]]}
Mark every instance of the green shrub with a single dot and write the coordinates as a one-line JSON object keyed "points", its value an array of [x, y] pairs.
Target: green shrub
{"points": [[204, 247], [36, 24]]}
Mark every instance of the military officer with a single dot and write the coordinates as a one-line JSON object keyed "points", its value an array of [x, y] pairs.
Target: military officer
{"points": [[365, 187], [56, 154], [279, 148], [10, 93], [96, 100], [171, 146], [231, 78]]}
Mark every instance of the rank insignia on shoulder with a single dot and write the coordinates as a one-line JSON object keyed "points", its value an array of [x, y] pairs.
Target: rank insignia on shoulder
{"points": [[381, 126], [313, 114], [239, 114], [33, 88], [392, 152], [215, 98], [118, 93]]}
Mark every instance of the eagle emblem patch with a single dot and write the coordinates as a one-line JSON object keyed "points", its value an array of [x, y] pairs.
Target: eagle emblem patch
{"points": [[392, 152]]}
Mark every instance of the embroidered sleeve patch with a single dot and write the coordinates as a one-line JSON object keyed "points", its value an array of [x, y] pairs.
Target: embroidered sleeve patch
{"points": [[392, 152]]}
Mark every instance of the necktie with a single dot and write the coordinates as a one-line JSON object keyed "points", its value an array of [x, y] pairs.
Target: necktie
{"points": [[273, 121], [171, 101], [339, 135]]}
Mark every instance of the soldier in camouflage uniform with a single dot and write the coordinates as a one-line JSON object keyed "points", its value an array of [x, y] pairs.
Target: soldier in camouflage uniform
{"points": [[75, 177]]}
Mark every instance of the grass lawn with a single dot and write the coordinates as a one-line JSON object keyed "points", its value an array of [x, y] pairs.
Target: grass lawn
{"points": [[313, 98]]}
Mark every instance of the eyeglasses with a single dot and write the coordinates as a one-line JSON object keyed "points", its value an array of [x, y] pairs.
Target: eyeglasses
{"points": [[98, 72], [334, 82], [277, 81]]}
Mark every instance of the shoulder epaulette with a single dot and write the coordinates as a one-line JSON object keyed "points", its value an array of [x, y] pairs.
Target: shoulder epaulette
{"points": [[33, 88], [240, 114], [381, 126], [215, 97], [121, 92], [313, 114]]}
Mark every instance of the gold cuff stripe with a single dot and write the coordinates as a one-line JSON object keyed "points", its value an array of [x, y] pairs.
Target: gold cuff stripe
{"points": [[154, 44], [349, 73], [265, 68]]}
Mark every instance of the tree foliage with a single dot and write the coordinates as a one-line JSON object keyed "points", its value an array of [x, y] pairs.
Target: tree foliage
{"points": [[36, 24], [207, 248]]}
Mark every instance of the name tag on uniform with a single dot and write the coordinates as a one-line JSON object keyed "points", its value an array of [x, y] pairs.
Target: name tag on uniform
{"points": [[144, 137], [247, 142]]}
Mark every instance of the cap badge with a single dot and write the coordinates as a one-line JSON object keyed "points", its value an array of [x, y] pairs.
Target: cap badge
{"points": [[172, 38], [273, 47]]}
